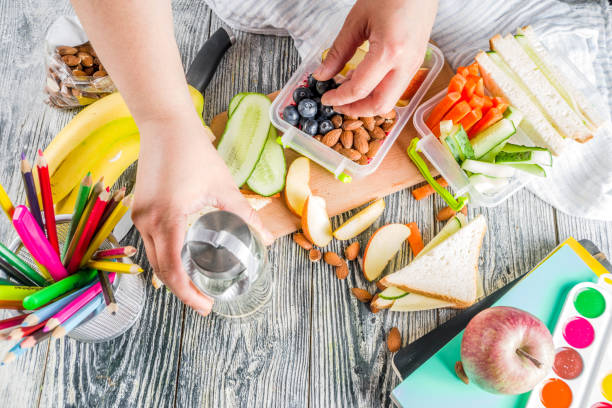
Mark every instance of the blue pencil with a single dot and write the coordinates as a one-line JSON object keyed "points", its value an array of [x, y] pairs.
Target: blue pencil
{"points": [[30, 188], [52, 308], [13, 353], [94, 307]]}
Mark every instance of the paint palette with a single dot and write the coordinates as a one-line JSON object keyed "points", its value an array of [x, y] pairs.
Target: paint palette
{"points": [[581, 376]]}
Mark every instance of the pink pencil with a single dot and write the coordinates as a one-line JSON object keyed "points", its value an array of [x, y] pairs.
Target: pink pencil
{"points": [[115, 253], [36, 242], [72, 307]]}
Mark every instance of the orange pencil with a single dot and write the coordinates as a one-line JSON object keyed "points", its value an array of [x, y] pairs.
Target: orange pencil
{"points": [[47, 199]]}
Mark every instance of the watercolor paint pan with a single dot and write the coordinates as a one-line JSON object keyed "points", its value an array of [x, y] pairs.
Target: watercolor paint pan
{"points": [[581, 376]]}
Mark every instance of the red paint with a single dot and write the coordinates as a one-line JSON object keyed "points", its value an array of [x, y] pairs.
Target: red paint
{"points": [[556, 394], [578, 332], [568, 363]]}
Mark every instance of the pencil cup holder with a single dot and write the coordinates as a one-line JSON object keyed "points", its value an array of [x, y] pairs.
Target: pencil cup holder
{"points": [[129, 291]]}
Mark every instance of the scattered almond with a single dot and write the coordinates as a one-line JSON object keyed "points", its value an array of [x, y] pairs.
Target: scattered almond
{"points": [[346, 138], [332, 259], [394, 340], [461, 372], [331, 137], [377, 133], [342, 271], [373, 308], [445, 214], [392, 114], [302, 241], [351, 124], [351, 154], [352, 251], [314, 254], [380, 286], [336, 120], [368, 122], [362, 295], [374, 146]]}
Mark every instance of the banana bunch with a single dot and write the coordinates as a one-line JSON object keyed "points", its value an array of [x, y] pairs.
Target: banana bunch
{"points": [[103, 139]]}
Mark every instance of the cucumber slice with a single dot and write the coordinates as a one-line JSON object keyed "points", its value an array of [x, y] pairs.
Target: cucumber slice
{"points": [[245, 135], [492, 136], [446, 127], [462, 140], [414, 303], [514, 115], [514, 148], [533, 169], [234, 102], [452, 146], [268, 177], [489, 169], [392, 293], [540, 157], [490, 156], [487, 185], [453, 225]]}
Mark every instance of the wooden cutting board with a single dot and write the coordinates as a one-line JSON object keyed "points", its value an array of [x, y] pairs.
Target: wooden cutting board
{"points": [[395, 173]]}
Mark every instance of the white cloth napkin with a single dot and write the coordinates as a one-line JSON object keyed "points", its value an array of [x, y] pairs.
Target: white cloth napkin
{"points": [[581, 181]]}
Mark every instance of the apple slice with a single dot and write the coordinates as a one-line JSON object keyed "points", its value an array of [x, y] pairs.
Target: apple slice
{"points": [[296, 186], [384, 244], [360, 221], [315, 222]]}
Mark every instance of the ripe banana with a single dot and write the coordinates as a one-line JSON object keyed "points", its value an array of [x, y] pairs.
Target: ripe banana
{"points": [[110, 163]]}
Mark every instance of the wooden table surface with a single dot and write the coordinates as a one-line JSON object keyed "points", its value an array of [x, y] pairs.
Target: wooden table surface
{"points": [[316, 345]]}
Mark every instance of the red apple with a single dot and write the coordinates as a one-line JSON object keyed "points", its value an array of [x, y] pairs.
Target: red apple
{"points": [[506, 350]]}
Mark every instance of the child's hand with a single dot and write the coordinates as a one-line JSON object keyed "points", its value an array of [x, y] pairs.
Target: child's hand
{"points": [[398, 31], [180, 173]]}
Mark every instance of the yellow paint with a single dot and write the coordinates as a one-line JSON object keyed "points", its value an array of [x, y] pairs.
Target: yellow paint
{"points": [[606, 387]]}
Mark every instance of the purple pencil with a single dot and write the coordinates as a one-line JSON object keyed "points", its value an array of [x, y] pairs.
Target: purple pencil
{"points": [[30, 188]]}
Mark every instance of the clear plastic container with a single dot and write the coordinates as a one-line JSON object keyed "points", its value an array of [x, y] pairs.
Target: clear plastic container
{"points": [[342, 167]]}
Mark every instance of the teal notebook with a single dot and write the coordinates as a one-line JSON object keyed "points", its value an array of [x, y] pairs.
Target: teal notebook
{"points": [[542, 293]]}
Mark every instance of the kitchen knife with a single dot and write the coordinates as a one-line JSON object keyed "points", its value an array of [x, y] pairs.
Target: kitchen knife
{"points": [[199, 75]]}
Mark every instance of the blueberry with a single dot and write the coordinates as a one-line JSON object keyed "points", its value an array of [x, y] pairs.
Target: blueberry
{"points": [[326, 111], [291, 115], [307, 108], [310, 127], [312, 83], [302, 122], [301, 93], [324, 86], [325, 126]]}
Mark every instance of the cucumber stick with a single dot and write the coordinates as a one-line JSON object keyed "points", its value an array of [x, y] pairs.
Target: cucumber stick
{"points": [[392, 293], [268, 177], [492, 136], [461, 138], [488, 169], [245, 135]]}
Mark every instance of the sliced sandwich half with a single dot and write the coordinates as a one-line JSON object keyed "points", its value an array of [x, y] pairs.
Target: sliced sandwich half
{"points": [[449, 271]]}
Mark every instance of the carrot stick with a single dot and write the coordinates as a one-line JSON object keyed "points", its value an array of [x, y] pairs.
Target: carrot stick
{"points": [[470, 119], [479, 90], [456, 83], [476, 102], [458, 112], [473, 69], [470, 86], [427, 190], [441, 108], [491, 117], [488, 104], [445, 214], [414, 239], [463, 71], [500, 103]]}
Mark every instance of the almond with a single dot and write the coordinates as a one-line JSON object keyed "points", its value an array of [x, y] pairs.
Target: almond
{"points": [[302, 241], [394, 340], [332, 258], [79, 73], [337, 147], [461, 372], [377, 133], [360, 142], [373, 308], [314, 254], [362, 295], [349, 117], [378, 120], [66, 50], [71, 60], [85, 47], [368, 122], [374, 146], [336, 120], [362, 132], [99, 74], [380, 286], [352, 251], [364, 161], [351, 154], [445, 214], [387, 126], [351, 124], [318, 137], [346, 138], [342, 271], [86, 59], [89, 71], [332, 137], [392, 114]]}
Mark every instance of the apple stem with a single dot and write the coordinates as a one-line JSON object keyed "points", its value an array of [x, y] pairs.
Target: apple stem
{"points": [[529, 357]]}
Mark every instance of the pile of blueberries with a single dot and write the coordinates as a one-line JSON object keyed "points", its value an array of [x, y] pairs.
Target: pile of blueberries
{"points": [[308, 114]]}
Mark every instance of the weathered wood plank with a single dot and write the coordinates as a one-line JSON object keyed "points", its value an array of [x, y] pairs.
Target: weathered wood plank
{"points": [[260, 360], [598, 232]]}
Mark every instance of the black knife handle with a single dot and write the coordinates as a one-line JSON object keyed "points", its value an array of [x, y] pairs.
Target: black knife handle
{"points": [[206, 61]]}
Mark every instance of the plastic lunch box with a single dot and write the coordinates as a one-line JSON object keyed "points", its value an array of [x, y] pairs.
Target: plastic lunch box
{"points": [[343, 168], [430, 146]]}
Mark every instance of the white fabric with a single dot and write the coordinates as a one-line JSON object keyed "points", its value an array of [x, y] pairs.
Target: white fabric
{"points": [[581, 182]]}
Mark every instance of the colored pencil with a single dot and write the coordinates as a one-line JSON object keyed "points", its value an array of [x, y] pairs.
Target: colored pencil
{"points": [[52, 308], [12, 321], [88, 231], [47, 199], [21, 332], [116, 198], [6, 203], [117, 267], [19, 264], [68, 310], [107, 291], [97, 189], [115, 253], [11, 304], [34, 240], [59, 288], [94, 307], [15, 292], [30, 188], [79, 206], [14, 274], [5, 282], [156, 282], [35, 338], [13, 353], [106, 229]]}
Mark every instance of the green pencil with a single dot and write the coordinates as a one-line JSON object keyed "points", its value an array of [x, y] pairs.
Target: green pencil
{"points": [[19, 264], [6, 282], [59, 288], [79, 206]]}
